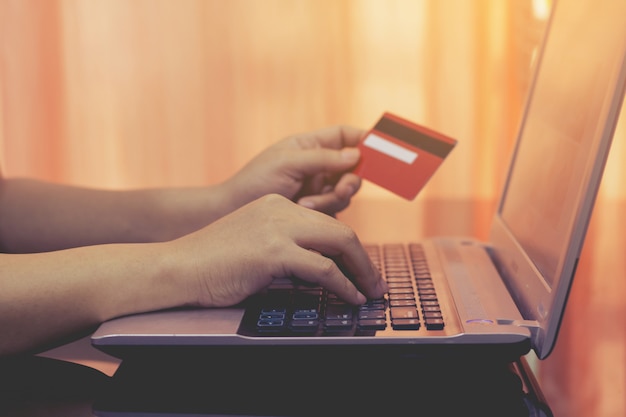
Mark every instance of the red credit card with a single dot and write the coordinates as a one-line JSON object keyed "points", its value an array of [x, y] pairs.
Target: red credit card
{"points": [[401, 156]]}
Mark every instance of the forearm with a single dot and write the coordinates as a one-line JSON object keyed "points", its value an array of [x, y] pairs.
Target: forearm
{"points": [[37, 216], [48, 297]]}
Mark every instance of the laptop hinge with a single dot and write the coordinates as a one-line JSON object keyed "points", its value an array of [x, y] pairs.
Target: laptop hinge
{"points": [[532, 325]]}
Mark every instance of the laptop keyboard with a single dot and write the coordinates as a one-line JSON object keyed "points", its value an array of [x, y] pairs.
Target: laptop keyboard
{"points": [[411, 303]]}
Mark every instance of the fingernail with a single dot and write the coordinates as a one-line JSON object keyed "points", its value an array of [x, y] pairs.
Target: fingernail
{"points": [[361, 299], [352, 189], [350, 154], [307, 203]]}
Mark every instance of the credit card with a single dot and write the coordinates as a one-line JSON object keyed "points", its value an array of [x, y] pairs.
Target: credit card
{"points": [[401, 156]]}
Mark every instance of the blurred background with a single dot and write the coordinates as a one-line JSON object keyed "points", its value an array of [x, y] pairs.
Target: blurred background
{"points": [[146, 93]]}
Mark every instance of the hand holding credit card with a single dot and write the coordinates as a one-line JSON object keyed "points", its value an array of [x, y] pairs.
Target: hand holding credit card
{"points": [[401, 156]]}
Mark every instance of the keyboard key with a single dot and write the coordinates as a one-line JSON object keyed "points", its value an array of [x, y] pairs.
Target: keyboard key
{"points": [[395, 297], [378, 304], [434, 324], [403, 313], [402, 303], [371, 314], [305, 315], [270, 323], [378, 324], [338, 312], [405, 324], [270, 316], [429, 297], [400, 284], [338, 324], [407, 290], [304, 325], [399, 279]]}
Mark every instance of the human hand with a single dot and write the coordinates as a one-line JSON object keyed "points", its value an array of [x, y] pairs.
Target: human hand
{"points": [[311, 169], [243, 252]]}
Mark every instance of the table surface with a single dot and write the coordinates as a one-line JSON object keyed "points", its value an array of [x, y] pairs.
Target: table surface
{"points": [[39, 386]]}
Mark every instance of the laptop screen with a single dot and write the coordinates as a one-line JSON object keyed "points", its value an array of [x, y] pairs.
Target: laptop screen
{"points": [[567, 129], [552, 164]]}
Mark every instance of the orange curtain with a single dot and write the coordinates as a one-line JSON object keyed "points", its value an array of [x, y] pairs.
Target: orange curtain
{"points": [[148, 92], [122, 94]]}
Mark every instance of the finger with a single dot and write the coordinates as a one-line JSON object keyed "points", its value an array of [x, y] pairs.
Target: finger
{"points": [[314, 268], [333, 198], [348, 185], [335, 239], [326, 203], [322, 160], [334, 137]]}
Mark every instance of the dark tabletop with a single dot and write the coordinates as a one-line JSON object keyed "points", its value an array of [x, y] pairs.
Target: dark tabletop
{"points": [[269, 385]]}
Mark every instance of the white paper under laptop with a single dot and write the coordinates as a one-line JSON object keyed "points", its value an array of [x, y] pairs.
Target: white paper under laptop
{"points": [[508, 293]]}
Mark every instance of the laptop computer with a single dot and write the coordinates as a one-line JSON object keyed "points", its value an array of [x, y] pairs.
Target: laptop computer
{"points": [[498, 298]]}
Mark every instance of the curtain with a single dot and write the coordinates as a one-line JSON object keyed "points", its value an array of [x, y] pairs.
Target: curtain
{"points": [[155, 92], [123, 94]]}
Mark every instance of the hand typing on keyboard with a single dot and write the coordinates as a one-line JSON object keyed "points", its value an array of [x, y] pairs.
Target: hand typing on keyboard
{"points": [[275, 238]]}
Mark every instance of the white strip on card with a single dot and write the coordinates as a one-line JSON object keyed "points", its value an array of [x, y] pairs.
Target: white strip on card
{"points": [[390, 148]]}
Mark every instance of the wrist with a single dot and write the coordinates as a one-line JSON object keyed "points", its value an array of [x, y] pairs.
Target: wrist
{"points": [[233, 194], [145, 277]]}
